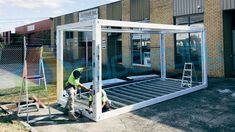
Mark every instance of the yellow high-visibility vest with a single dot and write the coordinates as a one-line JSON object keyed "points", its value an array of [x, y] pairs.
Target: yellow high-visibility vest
{"points": [[104, 97], [72, 79]]}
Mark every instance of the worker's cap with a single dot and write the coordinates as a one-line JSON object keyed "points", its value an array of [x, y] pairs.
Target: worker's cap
{"points": [[76, 74]]}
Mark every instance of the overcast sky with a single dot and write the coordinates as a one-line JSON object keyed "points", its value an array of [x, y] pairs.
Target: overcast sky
{"points": [[15, 13]]}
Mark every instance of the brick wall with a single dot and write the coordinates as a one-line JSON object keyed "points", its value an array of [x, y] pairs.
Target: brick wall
{"points": [[213, 22], [161, 11]]}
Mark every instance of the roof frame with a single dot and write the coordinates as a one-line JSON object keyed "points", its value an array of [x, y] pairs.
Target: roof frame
{"points": [[130, 27]]}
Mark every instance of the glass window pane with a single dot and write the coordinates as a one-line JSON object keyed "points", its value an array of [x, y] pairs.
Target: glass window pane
{"points": [[196, 19], [182, 20], [195, 46], [141, 49], [146, 49], [182, 49], [136, 48]]}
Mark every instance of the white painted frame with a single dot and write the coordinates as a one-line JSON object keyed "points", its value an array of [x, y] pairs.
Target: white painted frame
{"points": [[97, 26]]}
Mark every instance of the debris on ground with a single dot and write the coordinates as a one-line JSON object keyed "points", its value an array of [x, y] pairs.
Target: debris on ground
{"points": [[233, 95], [40, 103], [224, 91]]}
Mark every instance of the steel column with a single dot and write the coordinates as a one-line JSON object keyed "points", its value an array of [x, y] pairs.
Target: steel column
{"points": [[60, 66], [97, 69], [162, 56], [204, 59]]}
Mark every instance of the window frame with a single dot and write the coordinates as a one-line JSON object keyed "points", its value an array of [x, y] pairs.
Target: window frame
{"points": [[189, 34]]}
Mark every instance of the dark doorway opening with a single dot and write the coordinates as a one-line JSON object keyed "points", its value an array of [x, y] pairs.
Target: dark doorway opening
{"points": [[229, 42], [114, 49]]}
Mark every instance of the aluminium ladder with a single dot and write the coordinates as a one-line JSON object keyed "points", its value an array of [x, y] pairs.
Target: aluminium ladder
{"points": [[187, 75], [26, 77]]}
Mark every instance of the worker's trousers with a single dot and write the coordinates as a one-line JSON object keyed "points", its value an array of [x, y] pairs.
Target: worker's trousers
{"points": [[71, 98]]}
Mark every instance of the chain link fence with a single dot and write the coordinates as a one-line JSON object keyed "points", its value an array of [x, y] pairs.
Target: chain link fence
{"points": [[11, 66]]}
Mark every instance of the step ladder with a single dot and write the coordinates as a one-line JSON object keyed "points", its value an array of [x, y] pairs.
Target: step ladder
{"points": [[187, 75], [32, 53]]}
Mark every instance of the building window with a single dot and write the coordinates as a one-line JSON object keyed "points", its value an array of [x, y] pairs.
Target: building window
{"points": [[68, 38], [188, 45], [141, 49]]}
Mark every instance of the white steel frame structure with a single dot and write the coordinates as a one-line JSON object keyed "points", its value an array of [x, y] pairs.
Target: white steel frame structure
{"points": [[97, 26]]}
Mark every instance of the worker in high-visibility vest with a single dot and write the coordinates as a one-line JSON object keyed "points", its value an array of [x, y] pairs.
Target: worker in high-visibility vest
{"points": [[106, 103], [72, 85]]}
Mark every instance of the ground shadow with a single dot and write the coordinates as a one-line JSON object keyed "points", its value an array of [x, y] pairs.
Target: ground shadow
{"points": [[205, 110]]}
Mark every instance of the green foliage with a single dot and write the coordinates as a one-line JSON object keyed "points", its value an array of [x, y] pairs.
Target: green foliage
{"points": [[1, 45]]}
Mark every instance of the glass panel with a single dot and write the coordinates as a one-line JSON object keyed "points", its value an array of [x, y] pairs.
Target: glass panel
{"points": [[86, 35], [189, 49], [136, 48], [196, 19], [182, 49], [182, 20], [195, 46], [141, 49], [146, 50]]}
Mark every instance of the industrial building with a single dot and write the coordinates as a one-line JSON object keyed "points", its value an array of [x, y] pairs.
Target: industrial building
{"points": [[37, 32], [215, 15]]}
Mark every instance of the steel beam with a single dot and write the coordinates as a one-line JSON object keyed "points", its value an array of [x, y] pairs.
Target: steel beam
{"points": [[204, 59], [60, 62], [97, 69], [156, 27], [163, 56]]}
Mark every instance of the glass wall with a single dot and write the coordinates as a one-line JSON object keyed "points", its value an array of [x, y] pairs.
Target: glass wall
{"points": [[141, 49], [188, 45], [68, 54]]}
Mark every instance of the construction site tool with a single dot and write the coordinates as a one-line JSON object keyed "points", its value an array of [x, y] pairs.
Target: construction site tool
{"points": [[187, 75], [32, 56]]}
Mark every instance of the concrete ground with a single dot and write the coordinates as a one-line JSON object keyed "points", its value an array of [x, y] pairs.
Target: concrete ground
{"points": [[212, 109]]}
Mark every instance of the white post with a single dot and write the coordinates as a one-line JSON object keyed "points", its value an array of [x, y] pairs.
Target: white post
{"points": [[204, 59], [163, 56], [97, 69], [60, 76], [87, 58]]}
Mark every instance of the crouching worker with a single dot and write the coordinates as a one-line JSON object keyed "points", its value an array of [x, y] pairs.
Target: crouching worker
{"points": [[71, 88], [106, 103]]}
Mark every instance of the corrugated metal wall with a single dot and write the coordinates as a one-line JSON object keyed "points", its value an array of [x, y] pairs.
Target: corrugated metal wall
{"points": [[228, 4], [114, 11], [140, 10], [185, 7]]}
